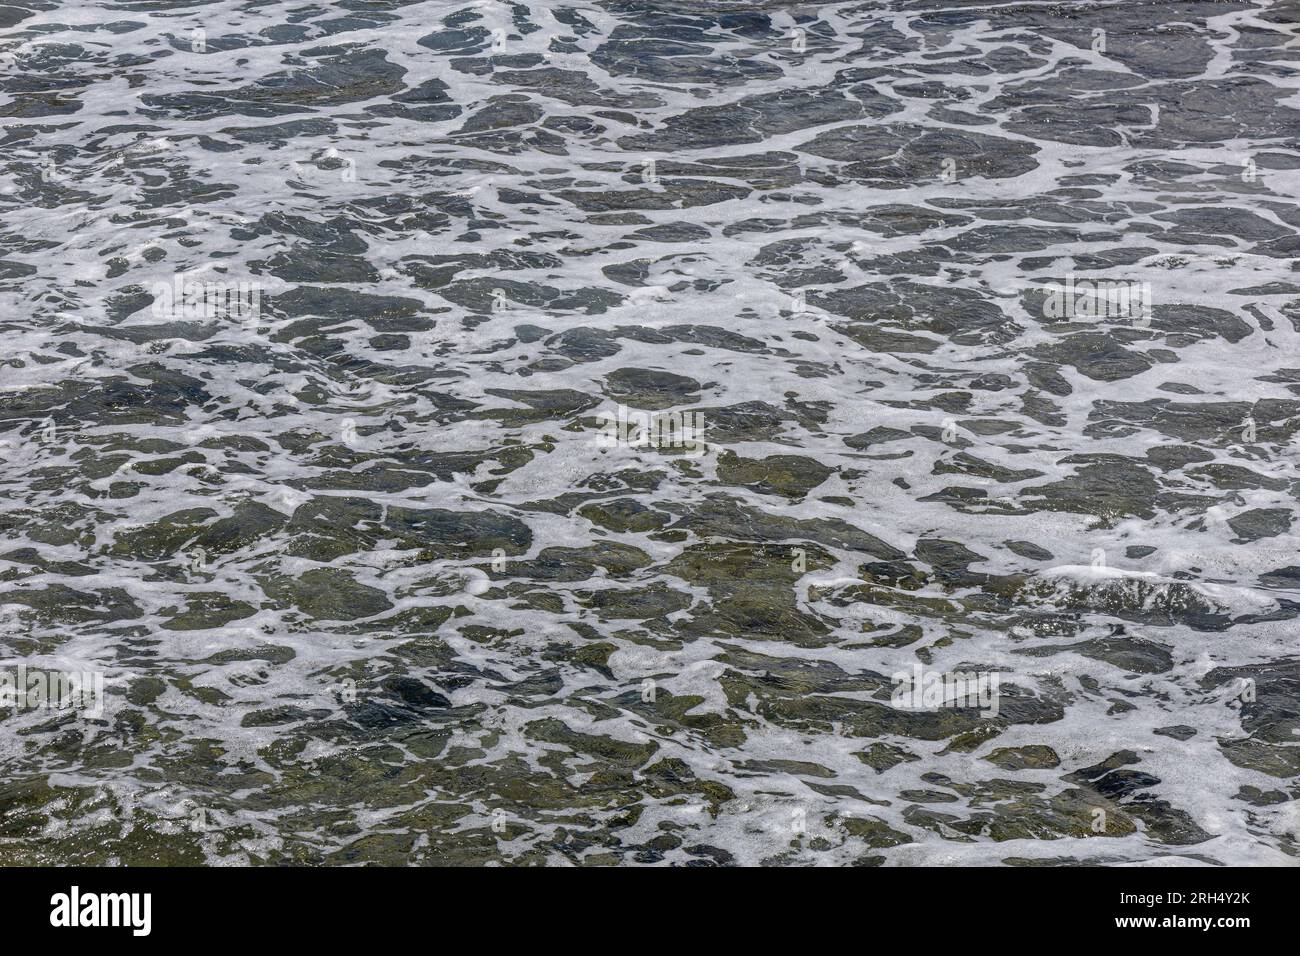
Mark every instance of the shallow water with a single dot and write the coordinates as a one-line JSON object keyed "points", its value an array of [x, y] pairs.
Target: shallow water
{"points": [[369, 578]]}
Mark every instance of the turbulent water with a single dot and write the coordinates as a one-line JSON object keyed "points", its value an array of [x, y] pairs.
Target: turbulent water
{"points": [[329, 328]]}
